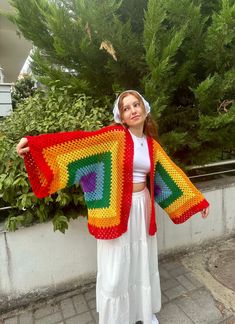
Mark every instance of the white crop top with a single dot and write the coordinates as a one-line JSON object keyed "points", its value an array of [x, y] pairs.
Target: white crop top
{"points": [[141, 163]]}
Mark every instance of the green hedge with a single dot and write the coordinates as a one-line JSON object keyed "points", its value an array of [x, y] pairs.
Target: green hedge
{"points": [[53, 111]]}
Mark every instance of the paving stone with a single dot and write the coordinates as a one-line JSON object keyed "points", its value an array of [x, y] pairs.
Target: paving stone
{"points": [[200, 307], [171, 265], [50, 319], [230, 320], [96, 316], [177, 271], [164, 298], [84, 318], [168, 283], [80, 304], [224, 311], [26, 318], [191, 308], [46, 310], [11, 320], [185, 282], [203, 297], [92, 303], [171, 314], [67, 307], [90, 294], [193, 279], [175, 292], [164, 274], [66, 295]]}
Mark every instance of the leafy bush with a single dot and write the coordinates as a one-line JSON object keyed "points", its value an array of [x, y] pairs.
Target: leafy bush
{"points": [[23, 88], [48, 112]]}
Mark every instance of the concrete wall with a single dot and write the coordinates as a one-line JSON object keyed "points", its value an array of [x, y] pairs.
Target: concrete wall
{"points": [[196, 231], [35, 261]]}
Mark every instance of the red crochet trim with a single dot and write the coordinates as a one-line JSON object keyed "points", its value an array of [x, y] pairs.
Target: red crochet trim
{"points": [[152, 225], [192, 211]]}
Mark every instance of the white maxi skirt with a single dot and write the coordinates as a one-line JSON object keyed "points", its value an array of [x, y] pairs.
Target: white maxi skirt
{"points": [[128, 285]]}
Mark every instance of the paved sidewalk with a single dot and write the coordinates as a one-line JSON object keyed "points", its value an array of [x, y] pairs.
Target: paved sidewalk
{"points": [[185, 300]]}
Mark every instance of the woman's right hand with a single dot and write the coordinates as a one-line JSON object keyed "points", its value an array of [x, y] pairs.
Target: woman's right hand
{"points": [[22, 147]]}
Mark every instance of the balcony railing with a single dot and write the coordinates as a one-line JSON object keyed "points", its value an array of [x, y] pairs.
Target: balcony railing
{"points": [[222, 169]]}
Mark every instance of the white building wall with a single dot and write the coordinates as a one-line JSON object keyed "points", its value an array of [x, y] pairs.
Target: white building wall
{"points": [[5, 99]]}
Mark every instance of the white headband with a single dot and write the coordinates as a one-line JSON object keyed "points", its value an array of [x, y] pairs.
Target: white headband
{"points": [[116, 112]]}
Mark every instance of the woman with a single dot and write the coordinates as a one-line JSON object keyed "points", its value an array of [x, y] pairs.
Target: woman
{"points": [[123, 217]]}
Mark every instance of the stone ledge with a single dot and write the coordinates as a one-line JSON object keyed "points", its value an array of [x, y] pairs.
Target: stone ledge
{"points": [[79, 286], [215, 184]]}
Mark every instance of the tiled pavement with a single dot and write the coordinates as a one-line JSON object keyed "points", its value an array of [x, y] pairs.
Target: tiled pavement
{"points": [[184, 301]]}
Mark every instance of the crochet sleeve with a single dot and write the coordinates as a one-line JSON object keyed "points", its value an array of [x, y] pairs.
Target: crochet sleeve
{"points": [[59, 160], [173, 190]]}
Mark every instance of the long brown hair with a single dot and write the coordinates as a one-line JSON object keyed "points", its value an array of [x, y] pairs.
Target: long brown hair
{"points": [[150, 126]]}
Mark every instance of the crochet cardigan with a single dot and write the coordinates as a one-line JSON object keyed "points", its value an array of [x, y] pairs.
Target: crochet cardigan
{"points": [[102, 162]]}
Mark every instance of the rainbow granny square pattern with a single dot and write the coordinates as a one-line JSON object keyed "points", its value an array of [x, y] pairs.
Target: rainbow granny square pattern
{"points": [[99, 161], [102, 163]]}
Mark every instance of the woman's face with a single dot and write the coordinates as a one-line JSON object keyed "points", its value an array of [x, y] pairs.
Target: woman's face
{"points": [[133, 112]]}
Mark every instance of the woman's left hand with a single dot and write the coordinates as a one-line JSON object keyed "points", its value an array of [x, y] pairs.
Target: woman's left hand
{"points": [[205, 212]]}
